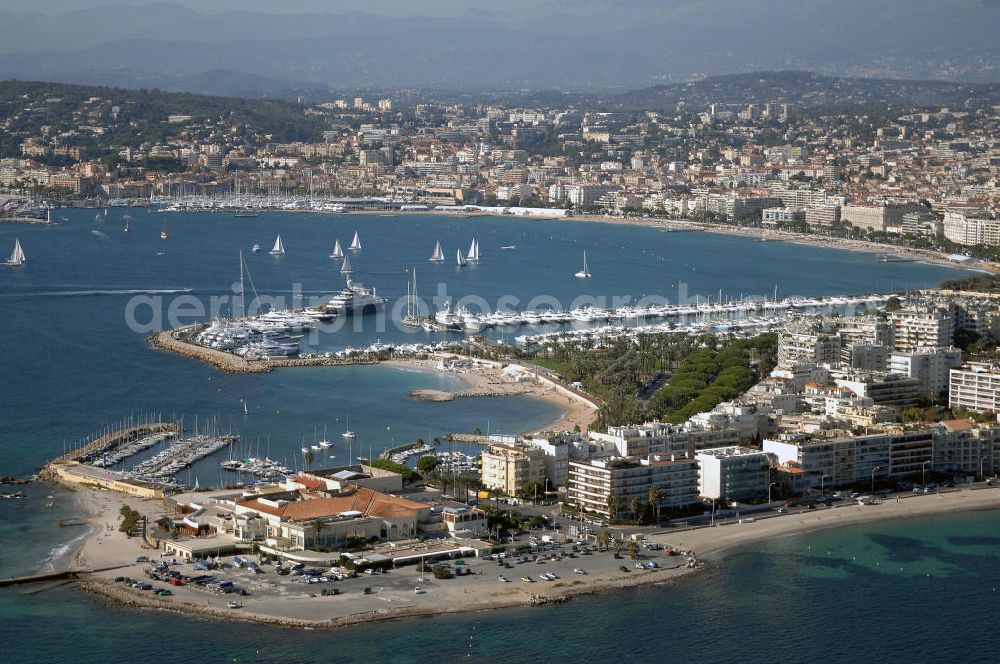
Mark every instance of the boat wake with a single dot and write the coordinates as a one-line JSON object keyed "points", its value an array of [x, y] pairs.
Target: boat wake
{"points": [[123, 291]]}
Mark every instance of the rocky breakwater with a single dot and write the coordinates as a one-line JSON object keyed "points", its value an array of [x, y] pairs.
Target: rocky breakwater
{"points": [[178, 341]]}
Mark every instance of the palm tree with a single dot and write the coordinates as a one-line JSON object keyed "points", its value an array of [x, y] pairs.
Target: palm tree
{"points": [[655, 497], [317, 528], [614, 502], [309, 457], [636, 506], [603, 539]]}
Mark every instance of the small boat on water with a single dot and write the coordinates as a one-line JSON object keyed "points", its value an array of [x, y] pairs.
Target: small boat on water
{"points": [[355, 243], [438, 255], [346, 267], [279, 247], [460, 259], [337, 251], [585, 272], [348, 433], [256, 248], [163, 232], [17, 256], [509, 247]]}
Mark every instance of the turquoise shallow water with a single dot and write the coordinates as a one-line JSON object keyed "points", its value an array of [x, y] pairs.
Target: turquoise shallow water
{"points": [[801, 598], [70, 365]]}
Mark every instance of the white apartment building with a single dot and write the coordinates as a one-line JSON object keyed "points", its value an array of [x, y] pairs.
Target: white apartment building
{"points": [[930, 365], [596, 484], [922, 326], [733, 473], [975, 387], [968, 231]]}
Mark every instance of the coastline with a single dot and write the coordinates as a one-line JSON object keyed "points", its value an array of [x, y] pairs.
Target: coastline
{"points": [[492, 382], [481, 594], [712, 541]]}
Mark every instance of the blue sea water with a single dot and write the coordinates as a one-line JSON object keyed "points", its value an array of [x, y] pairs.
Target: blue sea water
{"points": [[915, 590], [69, 365]]}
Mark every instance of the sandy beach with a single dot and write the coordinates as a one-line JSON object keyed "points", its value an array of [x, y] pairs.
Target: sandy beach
{"points": [[391, 596], [711, 541], [493, 382]]}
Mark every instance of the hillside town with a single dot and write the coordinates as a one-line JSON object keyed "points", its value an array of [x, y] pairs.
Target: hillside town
{"points": [[929, 177]]}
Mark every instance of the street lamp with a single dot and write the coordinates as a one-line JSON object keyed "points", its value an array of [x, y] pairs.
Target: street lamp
{"points": [[822, 481], [923, 472], [769, 492], [873, 476]]}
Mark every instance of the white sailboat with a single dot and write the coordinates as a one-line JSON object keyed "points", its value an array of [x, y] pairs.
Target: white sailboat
{"points": [[48, 215], [585, 272], [355, 243], [438, 255], [460, 259], [279, 247], [346, 267], [17, 257], [337, 251], [256, 248], [348, 433], [473, 255]]}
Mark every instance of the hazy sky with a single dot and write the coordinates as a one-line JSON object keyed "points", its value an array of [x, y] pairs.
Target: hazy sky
{"points": [[398, 7]]}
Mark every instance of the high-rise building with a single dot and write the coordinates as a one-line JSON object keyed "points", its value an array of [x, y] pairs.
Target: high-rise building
{"points": [[603, 485]]}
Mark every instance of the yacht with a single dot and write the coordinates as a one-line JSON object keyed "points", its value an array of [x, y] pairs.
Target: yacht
{"points": [[256, 248], [509, 247], [473, 255], [355, 299], [460, 259], [585, 272], [448, 319], [355, 243], [347, 432]]}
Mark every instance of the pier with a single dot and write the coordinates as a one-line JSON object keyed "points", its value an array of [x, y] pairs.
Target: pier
{"points": [[67, 574], [118, 438]]}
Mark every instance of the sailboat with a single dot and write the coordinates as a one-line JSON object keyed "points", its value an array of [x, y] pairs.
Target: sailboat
{"points": [[128, 219], [473, 255], [98, 218], [48, 215], [412, 318], [346, 267], [460, 259], [255, 248], [337, 251], [355, 243], [279, 248], [17, 256], [438, 255], [163, 232], [348, 433], [585, 272]]}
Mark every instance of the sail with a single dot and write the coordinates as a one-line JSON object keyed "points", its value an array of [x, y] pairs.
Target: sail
{"points": [[585, 272], [472, 251], [279, 247], [459, 258], [346, 267], [337, 251], [356, 242], [17, 257], [438, 255]]}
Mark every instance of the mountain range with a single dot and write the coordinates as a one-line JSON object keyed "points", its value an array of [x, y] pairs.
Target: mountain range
{"points": [[558, 44]]}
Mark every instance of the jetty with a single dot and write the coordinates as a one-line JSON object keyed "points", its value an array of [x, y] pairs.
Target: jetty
{"points": [[64, 575], [118, 438]]}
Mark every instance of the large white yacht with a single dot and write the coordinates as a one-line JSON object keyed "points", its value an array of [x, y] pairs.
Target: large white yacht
{"points": [[355, 299]]}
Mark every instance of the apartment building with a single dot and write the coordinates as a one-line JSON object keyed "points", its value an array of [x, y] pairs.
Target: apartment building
{"points": [[603, 485], [975, 387], [923, 325], [734, 473], [931, 366], [965, 446], [966, 230], [841, 459], [807, 340], [508, 467]]}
